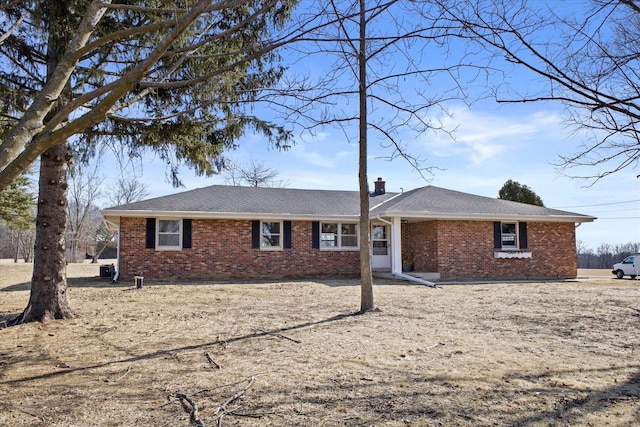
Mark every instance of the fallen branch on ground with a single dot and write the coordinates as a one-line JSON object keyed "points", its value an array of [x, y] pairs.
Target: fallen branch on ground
{"points": [[211, 361], [120, 377], [279, 335], [222, 409], [191, 408]]}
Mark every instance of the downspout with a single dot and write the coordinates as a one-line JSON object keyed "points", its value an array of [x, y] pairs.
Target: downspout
{"points": [[400, 274], [117, 275]]}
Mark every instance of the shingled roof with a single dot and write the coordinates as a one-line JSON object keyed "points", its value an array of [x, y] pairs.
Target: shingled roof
{"points": [[441, 203], [220, 201]]}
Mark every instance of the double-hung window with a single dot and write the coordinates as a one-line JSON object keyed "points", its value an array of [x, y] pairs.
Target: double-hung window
{"points": [[510, 236], [169, 234], [270, 235], [509, 233], [335, 235]]}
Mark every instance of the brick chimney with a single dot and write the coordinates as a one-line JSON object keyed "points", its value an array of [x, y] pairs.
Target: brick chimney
{"points": [[379, 187]]}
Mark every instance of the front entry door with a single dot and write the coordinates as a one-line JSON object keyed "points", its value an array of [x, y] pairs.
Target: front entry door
{"points": [[380, 253]]}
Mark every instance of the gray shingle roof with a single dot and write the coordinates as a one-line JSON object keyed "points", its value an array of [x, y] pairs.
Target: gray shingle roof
{"points": [[433, 201], [253, 200], [426, 202]]}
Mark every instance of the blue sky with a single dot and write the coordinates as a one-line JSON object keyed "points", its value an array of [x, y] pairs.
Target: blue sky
{"points": [[492, 143]]}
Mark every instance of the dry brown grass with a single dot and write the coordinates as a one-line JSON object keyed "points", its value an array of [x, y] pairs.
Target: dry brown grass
{"points": [[528, 354]]}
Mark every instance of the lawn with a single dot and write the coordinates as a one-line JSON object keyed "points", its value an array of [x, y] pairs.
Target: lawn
{"points": [[296, 353]]}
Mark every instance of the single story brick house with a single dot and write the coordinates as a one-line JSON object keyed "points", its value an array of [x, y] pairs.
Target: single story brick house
{"points": [[230, 232]]}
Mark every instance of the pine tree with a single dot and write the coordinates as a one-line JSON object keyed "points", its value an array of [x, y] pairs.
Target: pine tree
{"points": [[516, 192], [176, 79]]}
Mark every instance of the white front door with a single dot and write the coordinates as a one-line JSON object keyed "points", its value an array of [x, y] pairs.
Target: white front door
{"points": [[380, 253]]}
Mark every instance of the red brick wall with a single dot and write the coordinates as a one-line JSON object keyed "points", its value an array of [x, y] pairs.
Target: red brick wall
{"points": [[458, 250], [420, 244], [463, 250], [221, 249]]}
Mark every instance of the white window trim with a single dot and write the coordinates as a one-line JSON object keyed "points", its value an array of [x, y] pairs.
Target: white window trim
{"points": [[168, 248], [510, 248], [339, 247], [281, 234]]}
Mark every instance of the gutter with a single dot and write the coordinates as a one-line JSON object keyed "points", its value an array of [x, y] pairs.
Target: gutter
{"points": [[117, 227]]}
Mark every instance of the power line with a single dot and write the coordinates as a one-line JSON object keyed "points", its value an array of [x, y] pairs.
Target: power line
{"points": [[598, 204], [619, 217], [614, 211]]}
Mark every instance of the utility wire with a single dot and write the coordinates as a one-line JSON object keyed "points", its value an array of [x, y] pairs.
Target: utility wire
{"points": [[598, 204]]}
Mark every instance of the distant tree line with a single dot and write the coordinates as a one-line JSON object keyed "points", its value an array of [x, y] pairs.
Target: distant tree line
{"points": [[605, 255]]}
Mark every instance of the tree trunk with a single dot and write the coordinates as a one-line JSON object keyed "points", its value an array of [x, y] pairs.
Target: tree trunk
{"points": [[366, 276], [48, 298]]}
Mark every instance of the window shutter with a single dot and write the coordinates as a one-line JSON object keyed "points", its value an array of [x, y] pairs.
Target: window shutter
{"points": [[522, 229], [186, 234], [287, 235], [497, 235], [255, 234], [151, 233], [315, 235]]}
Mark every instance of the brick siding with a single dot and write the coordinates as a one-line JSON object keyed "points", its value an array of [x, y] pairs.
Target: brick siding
{"points": [[464, 250], [458, 250], [221, 250]]}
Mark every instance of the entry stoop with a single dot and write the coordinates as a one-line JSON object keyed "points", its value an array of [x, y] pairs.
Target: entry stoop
{"points": [[424, 275]]}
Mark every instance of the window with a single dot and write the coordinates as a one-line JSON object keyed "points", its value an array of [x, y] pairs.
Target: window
{"points": [[349, 235], [338, 236], [379, 240], [509, 235], [169, 234], [270, 235]]}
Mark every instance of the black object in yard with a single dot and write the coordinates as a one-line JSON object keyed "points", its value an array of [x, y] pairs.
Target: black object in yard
{"points": [[105, 270]]}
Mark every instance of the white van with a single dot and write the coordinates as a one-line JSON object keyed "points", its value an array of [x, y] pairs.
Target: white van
{"points": [[629, 267]]}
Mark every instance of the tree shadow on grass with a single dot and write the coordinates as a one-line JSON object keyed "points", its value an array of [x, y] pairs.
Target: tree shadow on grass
{"points": [[163, 353], [74, 282], [572, 404], [594, 402], [444, 400]]}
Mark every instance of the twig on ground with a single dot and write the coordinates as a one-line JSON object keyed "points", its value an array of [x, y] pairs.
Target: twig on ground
{"points": [[222, 409], [433, 346], [170, 398], [191, 408], [211, 361], [279, 335], [121, 376]]}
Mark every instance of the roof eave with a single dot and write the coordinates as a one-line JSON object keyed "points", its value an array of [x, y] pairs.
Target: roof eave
{"points": [[487, 217], [225, 215]]}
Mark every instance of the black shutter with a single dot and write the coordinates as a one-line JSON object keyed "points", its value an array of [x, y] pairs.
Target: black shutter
{"points": [[497, 235], [522, 228], [315, 235], [151, 233], [186, 234], [287, 235], [255, 234]]}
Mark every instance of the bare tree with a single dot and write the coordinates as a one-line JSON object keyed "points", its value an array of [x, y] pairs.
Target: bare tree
{"points": [[127, 190], [83, 213], [253, 174], [586, 58], [384, 64]]}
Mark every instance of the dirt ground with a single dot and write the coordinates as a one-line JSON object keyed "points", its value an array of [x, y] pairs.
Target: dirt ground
{"points": [[296, 354]]}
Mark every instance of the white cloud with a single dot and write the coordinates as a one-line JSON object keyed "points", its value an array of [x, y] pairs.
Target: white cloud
{"points": [[480, 137], [323, 151]]}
